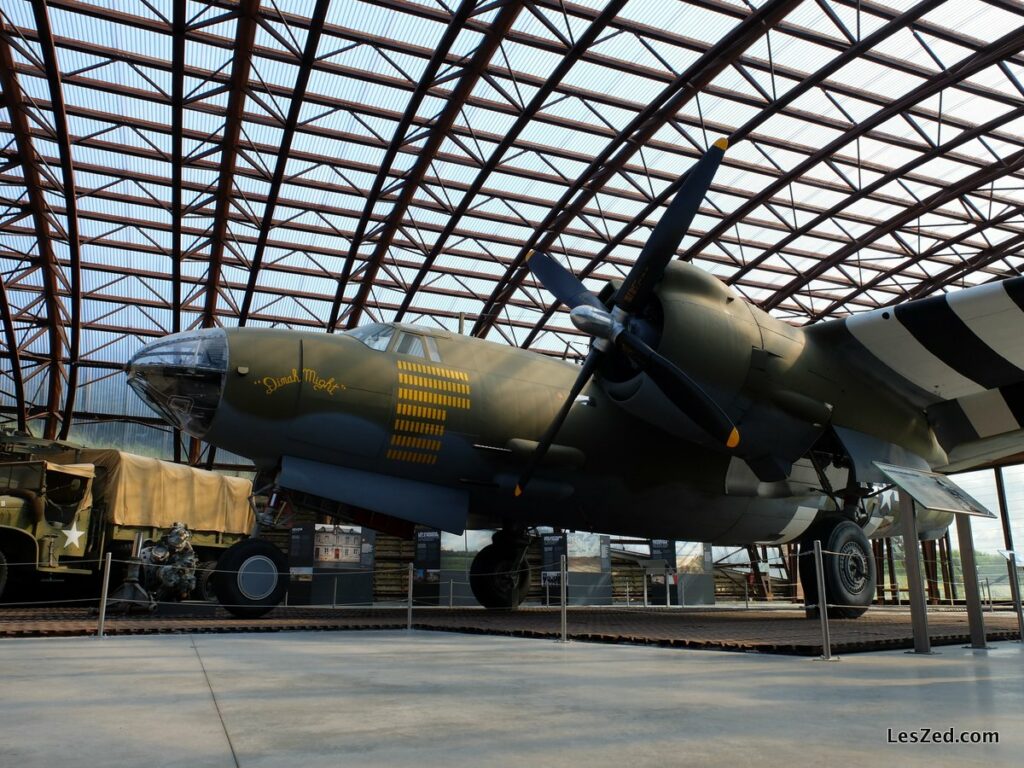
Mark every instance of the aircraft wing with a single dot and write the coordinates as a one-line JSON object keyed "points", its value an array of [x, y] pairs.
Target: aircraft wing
{"points": [[959, 356]]}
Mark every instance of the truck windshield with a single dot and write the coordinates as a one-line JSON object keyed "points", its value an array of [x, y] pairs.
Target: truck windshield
{"points": [[24, 475], [64, 494]]}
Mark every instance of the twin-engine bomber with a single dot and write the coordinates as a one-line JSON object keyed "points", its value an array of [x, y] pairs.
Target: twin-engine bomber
{"points": [[695, 415]]}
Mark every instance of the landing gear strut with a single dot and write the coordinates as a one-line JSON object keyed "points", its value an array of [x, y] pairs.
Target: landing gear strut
{"points": [[849, 574], [499, 575]]}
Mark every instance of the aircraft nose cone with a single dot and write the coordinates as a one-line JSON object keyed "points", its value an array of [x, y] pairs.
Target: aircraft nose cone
{"points": [[181, 377]]}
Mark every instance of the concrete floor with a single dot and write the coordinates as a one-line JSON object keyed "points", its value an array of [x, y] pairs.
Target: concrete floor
{"points": [[437, 699]]}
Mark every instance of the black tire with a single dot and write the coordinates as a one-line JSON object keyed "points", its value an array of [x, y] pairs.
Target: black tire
{"points": [[251, 578], [3, 573], [204, 581], [849, 576], [499, 577]]}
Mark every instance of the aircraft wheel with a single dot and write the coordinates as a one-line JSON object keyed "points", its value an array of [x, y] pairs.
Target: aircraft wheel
{"points": [[499, 577], [849, 575], [251, 578]]}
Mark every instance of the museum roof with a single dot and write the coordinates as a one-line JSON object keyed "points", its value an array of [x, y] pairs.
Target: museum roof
{"points": [[318, 165]]}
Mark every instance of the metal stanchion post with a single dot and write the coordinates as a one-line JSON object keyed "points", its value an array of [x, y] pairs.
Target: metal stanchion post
{"points": [[668, 595], [746, 595], [334, 592], [819, 568], [408, 601], [645, 589], [988, 591], [565, 591], [1015, 589], [103, 595], [451, 592], [627, 594], [547, 595]]}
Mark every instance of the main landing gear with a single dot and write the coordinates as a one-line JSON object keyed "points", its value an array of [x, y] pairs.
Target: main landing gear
{"points": [[499, 575], [849, 569]]}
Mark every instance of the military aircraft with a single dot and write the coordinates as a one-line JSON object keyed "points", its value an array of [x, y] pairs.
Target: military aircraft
{"points": [[695, 416]]}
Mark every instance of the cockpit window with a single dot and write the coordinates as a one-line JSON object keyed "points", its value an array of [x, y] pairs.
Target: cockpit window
{"points": [[410, 344], [381, 336], [376, 336]]}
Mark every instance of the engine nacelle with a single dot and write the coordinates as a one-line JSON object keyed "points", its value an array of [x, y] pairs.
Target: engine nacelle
{"points": [[739, 355]]}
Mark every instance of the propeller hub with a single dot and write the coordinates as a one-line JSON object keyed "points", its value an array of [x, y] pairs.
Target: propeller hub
{"points": [[595, 322]]}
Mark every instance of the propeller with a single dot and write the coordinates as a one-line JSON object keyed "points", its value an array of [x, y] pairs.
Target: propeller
{"points": [[610, 329]]}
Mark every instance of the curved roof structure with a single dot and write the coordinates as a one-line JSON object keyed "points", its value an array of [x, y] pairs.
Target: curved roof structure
{"points": [[171, 165]]}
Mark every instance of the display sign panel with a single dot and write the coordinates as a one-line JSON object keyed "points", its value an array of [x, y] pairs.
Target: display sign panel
{"points": [[337, 546], [554, 547], [934, 491]]}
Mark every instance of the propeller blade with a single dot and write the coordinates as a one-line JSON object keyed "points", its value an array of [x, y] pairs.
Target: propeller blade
{"points": [[661, 246], [586, 372], [560, 282], [681, 390]]}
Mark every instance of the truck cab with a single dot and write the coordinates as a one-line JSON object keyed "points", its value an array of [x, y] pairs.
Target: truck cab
{"points": [[45, 517]]}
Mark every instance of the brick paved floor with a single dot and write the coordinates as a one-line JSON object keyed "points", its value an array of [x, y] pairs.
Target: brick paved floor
{"points": [[770, 631]]}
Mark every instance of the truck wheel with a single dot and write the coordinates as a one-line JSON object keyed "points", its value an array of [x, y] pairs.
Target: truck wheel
{"points": [[204, 581], [3, 573], [251, 578]]}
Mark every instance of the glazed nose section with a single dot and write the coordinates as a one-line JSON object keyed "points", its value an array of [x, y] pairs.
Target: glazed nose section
{"points": [[181, 377]]}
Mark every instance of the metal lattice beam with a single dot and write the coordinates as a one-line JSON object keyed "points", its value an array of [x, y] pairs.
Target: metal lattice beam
{"points": [[74, 240], [14, 356], [245, 37], [745, 131], [1013, 163], [628, 142], [17, 104], [930, 284], [291, 123], [438, 130], [582, 44], [984, 58], [398, 139]]}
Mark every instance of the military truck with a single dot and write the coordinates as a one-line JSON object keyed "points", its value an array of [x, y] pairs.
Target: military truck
{"points": [[60, 515]]}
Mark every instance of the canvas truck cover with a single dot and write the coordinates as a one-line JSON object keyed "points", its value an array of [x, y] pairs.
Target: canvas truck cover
{"points": [[139, 490]]}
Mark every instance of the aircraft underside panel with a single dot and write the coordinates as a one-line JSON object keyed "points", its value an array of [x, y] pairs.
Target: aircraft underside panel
{"points": [[865, 449], [412, 500]]}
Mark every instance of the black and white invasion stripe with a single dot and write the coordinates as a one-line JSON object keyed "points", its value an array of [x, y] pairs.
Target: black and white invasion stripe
{"points": [[965, 349]]}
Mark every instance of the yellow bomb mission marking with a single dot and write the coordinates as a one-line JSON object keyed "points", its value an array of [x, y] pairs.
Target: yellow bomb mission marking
{"points": [[309, 376]]}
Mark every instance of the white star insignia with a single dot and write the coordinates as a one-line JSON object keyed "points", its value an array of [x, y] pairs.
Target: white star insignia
{"points": [[73, 535]]}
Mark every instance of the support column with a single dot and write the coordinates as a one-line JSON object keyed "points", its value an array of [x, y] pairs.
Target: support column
{"points": [[894, 584], [912, 555], [1004, 517], [975, 617], [946, 567], [931, 571], [876, 550], [952, 568]]}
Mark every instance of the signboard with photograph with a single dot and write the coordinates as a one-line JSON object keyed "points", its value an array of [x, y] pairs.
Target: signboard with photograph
{"points": [[337, 546]]}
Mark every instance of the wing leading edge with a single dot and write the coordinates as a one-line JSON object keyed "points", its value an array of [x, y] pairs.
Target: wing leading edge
{"points": [[960, 357]]}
